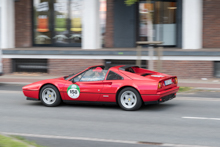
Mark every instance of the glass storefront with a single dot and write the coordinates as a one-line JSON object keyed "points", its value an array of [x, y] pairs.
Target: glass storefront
{"points": [[103, 19], [59, 22], [42, 27], [163, 21]]}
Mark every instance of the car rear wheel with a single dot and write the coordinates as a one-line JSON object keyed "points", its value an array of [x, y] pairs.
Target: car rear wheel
{"points": [[50, 96], [129, 99]]}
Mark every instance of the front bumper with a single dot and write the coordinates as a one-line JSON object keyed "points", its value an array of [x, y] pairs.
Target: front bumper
{"points": [[31, 94]]}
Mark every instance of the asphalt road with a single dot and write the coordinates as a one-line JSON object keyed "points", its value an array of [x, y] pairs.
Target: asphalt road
{"points": [[186, 120]]}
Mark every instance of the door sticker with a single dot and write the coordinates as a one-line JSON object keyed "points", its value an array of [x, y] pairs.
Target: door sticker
{"points": [[73, 91]]}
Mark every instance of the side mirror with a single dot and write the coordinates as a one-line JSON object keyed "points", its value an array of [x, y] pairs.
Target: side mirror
{"points": [[73, 81]]}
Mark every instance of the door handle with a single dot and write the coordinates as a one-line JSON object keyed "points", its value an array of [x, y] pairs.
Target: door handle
{"points": [[107, 83], [91, 83]]}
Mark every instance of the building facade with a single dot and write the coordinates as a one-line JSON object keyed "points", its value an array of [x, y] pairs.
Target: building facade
{"points": [[54, 33]]}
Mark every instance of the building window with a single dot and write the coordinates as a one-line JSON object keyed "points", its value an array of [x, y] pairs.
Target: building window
{"points": [[217, 69], [59, 22], [103, 19], [42, 25], [162, 18]]}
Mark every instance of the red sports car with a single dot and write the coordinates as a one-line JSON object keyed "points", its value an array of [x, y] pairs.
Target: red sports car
{"points": [[127, 86]]}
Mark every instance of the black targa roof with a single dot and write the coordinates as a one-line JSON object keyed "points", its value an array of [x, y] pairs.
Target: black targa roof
{"points": [[127, 66]]}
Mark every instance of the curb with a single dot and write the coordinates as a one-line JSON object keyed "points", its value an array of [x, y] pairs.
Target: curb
{"points": [[16, 140]]}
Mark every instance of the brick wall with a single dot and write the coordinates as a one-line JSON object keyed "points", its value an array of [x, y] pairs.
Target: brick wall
{"points": [[211, 23], [68, 66], [182, 69], [188, 69], [109, 24], [23, 23], [7, 66]]}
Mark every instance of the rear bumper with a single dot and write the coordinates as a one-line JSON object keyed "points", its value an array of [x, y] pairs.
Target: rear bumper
{"points": [[167, 98], [161, 96]]}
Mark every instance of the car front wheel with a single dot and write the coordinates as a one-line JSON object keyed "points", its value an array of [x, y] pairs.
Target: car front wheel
{"points": [[129, 99], [50, 96]]}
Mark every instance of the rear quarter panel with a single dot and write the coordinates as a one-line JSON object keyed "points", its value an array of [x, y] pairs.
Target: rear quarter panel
{"points": [[112, 87], [146, 86], [142, 84]]}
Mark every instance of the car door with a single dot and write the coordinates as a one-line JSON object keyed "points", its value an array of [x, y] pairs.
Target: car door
{"points": [[110, 86], [85, 87]]}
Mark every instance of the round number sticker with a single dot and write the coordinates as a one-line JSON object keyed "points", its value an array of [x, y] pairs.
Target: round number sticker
{"points": [[73, 91]]}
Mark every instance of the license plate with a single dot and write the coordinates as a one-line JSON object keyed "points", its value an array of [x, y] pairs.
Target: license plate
{"points": [[168, 82]]}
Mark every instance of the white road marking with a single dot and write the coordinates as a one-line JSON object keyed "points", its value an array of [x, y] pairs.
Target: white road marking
{"points": [[203, 118], [95, 139], [181, 145]]}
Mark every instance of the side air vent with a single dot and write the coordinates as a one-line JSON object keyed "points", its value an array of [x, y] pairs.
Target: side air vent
{"points": [[146, 74]]}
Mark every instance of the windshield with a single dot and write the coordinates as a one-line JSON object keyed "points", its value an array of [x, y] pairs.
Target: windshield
{"points": [[69, 76]]}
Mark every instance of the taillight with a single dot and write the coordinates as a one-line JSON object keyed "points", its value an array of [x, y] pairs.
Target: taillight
{"points": [[160, 85], [175, 81]]}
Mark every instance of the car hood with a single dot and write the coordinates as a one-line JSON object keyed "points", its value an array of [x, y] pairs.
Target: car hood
{"points": [[37, 85]]}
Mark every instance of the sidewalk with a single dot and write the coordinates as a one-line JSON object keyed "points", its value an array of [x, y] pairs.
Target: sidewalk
{"points": [[24, 79], [199, 83], [30, 78]]}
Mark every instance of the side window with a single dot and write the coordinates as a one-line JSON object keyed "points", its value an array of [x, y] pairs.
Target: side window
{"points": [[87, 76], [97, 74], [129, 70], [113, 76]]}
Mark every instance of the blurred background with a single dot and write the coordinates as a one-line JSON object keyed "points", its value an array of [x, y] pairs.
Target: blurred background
{"points": [[43, 39], [58, 37]]}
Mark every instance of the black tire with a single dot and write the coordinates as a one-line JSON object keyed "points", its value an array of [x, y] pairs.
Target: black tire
{"points": [[57, 96], [136, 105]]}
